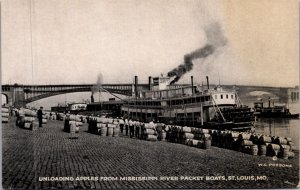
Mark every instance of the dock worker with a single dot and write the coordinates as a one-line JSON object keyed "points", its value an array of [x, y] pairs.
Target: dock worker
{"points": [[121, 123], [131, 128], [40, 116], [142, 134], [159, 131], [126, 126], [137, 129]]}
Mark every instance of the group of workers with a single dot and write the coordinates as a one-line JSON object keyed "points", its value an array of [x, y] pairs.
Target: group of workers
{"points": [[136, 128]]}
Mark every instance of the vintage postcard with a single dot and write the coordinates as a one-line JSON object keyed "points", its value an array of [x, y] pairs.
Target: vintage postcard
{"points": [[152, 94]]}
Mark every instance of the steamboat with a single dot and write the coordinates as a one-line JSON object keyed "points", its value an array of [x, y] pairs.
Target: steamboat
{"points": [[188, 105], [275, 111]]}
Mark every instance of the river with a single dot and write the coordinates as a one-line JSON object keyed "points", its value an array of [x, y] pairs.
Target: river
{"points": [[279, 126]]}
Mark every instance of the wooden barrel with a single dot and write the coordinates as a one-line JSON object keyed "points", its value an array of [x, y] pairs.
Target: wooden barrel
{"points": [[4, 119], [79, 123], [204, 131], [244, 136], [110, 120], [110, 131], [246, 143], [254, 150], [188, 136], [285, 153], [27, 112], [234, 134], [72, 128], [289, 139], [291, 154], [193, 142], [21, 113], [150, 132], [272, 149], [151, 137], [116, 131], [265, 139], [149, 126], [262, 150], [205, 137], [35, 126], [207, 144], [77, 129], [72, 122], [44, 121], [187, 129], [29, 119], [27, 125], [99, 125], [280, 140], [5, 114], [283, 146], [103, 131], [4, 110], [100, 119], [292, 147]]}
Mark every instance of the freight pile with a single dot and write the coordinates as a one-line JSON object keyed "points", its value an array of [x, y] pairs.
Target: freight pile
{"points": [[26, 119], [5, 114], [72, 124], [196, 137], [149, 132], [104, 126], [255, 144]]}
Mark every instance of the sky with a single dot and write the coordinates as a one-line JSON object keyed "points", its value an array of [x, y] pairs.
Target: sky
{"points": [[72, 42]]}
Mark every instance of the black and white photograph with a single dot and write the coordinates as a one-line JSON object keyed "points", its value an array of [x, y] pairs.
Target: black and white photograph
{"points": [[150, 94]]}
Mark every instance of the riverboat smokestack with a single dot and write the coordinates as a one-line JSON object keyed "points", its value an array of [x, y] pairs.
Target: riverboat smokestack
{"points": [[136, 85], [192, 81], [150, 82], [207, 81]]}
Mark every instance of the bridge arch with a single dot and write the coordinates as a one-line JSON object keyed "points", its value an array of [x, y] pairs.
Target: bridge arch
{"points": [[50, 94]]}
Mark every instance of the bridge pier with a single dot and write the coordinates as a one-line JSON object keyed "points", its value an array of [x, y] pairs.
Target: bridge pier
{"points": [[15, 97]]}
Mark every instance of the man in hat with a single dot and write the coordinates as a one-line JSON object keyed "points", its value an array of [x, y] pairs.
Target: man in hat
{"points": [[40, 116]]}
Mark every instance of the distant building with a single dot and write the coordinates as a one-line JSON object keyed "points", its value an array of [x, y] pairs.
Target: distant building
{"points": [[59, 108], [77, 106]]}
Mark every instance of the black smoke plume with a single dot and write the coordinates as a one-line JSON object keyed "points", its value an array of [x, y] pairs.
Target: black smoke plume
{"points": [[98, 86], [215, 39]]}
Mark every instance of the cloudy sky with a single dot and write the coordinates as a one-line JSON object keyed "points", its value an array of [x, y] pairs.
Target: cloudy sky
{"points": [[72, 41]]}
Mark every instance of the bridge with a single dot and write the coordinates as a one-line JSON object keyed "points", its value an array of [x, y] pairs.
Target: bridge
{"points": [[20, 95]]}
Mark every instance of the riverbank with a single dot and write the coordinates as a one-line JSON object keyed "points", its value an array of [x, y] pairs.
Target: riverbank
{"points": [[48, 158]]}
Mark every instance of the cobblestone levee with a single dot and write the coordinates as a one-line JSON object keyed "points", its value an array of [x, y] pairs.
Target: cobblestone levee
{"points": [[49, 152]]}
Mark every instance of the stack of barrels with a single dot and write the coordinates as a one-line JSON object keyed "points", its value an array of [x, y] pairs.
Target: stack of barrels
{"points": [[53, 116], [197, 137], [254, 144], [45, 118], [104, 126], [150, 133], [5, 114], [72, 124], [61, 116], [29, 119], [281, 147]]}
